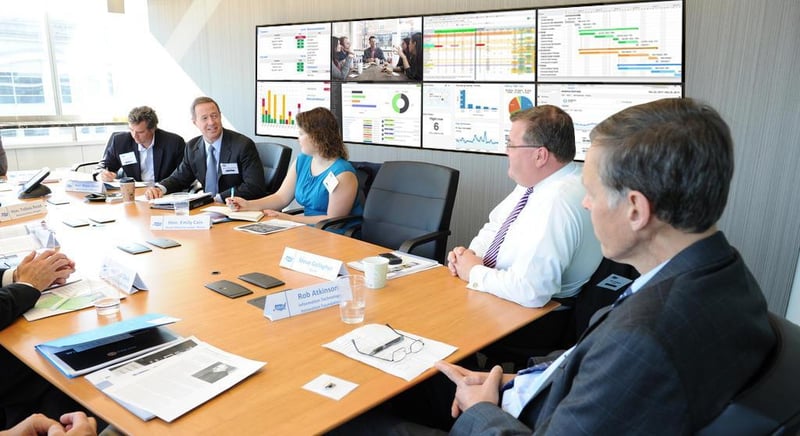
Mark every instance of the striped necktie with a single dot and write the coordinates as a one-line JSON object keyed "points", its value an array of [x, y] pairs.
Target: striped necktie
{"points": [[490, 258]]}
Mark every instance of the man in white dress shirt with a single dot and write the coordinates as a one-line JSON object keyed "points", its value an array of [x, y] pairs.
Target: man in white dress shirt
{"points": [[538, 244]]}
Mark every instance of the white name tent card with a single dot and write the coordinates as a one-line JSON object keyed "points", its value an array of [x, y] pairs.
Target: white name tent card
{"points": [[295, 302], [121, 277], [20, 210], [312, 264], [87, 186], [180, 222]]}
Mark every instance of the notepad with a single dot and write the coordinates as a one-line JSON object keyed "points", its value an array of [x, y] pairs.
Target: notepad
{"points": [[240, 215]]}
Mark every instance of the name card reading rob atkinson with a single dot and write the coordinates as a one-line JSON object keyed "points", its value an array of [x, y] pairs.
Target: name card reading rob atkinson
{"points": [[295, 302]]}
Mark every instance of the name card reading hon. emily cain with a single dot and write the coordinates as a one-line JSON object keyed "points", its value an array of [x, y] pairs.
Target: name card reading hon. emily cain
{"points": [[312, 264], [295, 302], [182, 222]]}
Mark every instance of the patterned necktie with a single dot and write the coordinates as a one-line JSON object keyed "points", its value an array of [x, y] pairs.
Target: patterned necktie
{"points": [[211, 172], [490, 258], [628, 292]]}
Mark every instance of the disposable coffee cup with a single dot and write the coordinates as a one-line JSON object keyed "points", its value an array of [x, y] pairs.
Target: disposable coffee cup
{"points": [[375, 270], [127, 186]]}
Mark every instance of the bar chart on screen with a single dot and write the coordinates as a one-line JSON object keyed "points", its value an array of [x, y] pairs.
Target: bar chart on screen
{"points": [[278, 104]]}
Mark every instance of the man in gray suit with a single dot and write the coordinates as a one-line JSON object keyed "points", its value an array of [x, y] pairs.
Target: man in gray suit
{"points": [[687, 335], [219, 158], [682, 340]]}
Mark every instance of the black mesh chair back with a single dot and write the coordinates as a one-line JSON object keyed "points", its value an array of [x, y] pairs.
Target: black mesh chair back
{"points": [[407, 201], [275, 159]]}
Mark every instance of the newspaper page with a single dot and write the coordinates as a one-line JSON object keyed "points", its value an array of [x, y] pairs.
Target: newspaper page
{"points": [[173, 380]]}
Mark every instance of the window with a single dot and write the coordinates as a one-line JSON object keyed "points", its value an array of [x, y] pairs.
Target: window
{"points": [[54, 62]]}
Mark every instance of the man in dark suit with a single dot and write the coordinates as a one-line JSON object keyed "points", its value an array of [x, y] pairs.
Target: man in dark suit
{"points": [[22, 391], [219, 158], [686, 336], [147, 154], [690, 332]]}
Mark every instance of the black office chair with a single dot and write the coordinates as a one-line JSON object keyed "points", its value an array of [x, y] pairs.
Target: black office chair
{"points": [[275, 159], [365, 173], [770, 403], [408, 209], [594, 297]]}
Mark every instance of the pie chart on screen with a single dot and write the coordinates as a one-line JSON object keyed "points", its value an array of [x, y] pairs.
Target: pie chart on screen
{"points": [[519, 103], [400, 103]]}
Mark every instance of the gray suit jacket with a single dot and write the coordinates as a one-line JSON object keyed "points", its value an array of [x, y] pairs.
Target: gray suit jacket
{"points": [[236, 148], [168, 149], [665, 361]]}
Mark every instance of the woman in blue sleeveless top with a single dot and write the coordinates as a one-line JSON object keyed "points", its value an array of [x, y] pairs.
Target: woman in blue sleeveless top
{"points": [[320, 179]]}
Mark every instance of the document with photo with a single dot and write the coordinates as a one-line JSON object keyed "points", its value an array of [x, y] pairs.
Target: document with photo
{"points": [[173, 380], [267, 227]]}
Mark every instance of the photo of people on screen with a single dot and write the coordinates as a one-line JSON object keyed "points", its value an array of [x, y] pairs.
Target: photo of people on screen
{"points": [[382, 50]]}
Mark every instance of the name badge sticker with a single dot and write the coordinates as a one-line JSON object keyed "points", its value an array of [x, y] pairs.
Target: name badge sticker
{"points": [[127, 158], [229, 168], [330, 182]]}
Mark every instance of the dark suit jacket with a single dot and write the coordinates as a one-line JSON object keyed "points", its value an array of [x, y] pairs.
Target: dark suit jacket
{"points": [[664, 361], [168, 151], [236, 148], [15, 299]]}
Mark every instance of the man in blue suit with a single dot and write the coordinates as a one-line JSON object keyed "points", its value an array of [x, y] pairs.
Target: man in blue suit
{"points": [[682, 340], [147, 154], [219, 158]]}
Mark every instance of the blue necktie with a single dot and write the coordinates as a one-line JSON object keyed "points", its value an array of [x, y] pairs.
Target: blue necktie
{"points": [[211, 172], [628, 292]]}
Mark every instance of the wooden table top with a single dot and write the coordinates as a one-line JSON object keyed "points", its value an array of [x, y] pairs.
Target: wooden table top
{"points": [[431, 304]]}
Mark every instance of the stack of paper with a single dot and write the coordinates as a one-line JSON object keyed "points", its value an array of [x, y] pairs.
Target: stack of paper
{"points": [[410, 361], [174, 380], [411, 264], [241, 215]]}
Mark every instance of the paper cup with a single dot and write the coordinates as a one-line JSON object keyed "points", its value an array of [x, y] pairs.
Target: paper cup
{"points": [[375, 270]]}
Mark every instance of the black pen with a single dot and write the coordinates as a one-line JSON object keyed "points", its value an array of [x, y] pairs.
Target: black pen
{"points": [[385, 346]]}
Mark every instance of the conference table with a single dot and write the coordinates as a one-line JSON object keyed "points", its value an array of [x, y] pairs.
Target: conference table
{"points": [[431, 304], [374, 73]]}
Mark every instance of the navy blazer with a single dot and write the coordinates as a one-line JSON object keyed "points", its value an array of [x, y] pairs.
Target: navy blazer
{"points": [[15, 299], [236, 148], [168, 149], [664, 361]]}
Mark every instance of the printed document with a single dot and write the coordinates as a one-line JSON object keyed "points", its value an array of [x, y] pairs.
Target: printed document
{"points": [[173, 380]]}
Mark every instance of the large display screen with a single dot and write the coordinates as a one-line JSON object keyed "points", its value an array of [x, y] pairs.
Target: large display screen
{"points": [[590, 104], [381, 113], [472, 117], [278, 104], [294, 52], [629, 42], [486, 46], [468, 71], [376, 63]]}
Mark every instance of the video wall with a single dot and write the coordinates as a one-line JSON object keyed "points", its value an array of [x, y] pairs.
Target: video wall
{"points": [[451, 81]]}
